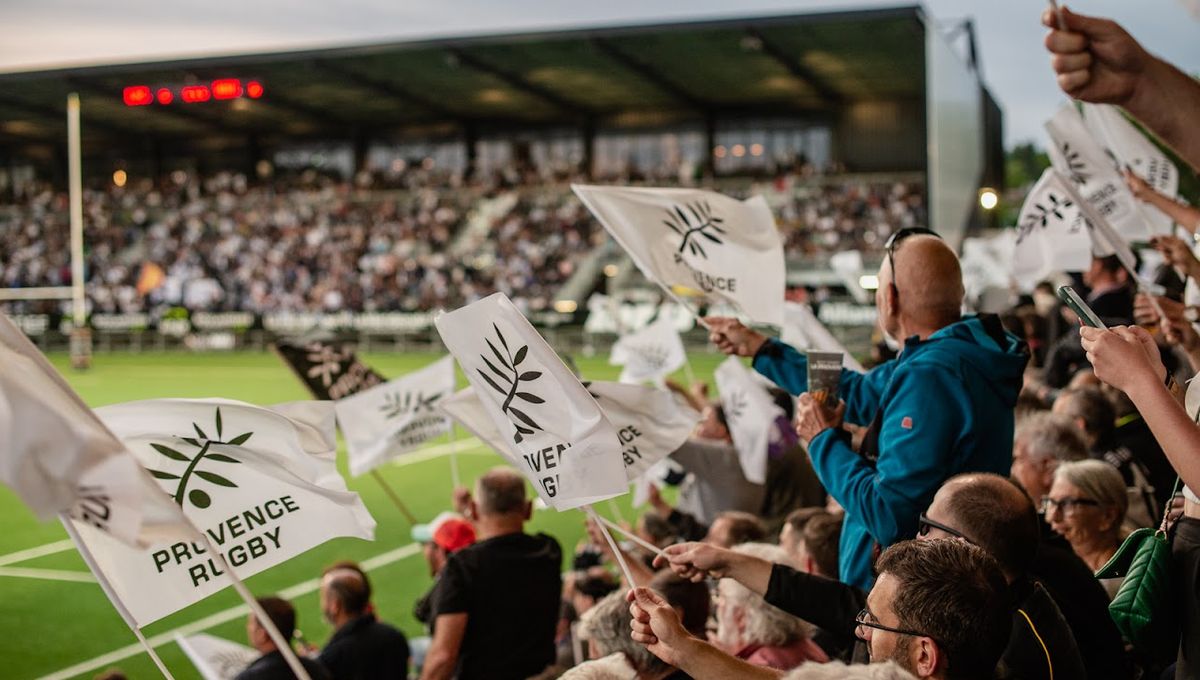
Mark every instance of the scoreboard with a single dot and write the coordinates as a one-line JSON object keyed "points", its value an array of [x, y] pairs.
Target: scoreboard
{"points": [[192, 93]]}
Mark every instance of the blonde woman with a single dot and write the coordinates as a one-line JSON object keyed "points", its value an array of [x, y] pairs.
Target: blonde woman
{"points": [[1086, 504]]}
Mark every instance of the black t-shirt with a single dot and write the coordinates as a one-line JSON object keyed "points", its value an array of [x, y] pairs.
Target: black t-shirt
{"points": [[366, 649], [509, 587]]}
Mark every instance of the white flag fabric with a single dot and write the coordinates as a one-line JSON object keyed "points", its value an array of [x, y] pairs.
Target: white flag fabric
{"points": [[567, 448], [803, 330], [651, 423], [650, 354], [1052, 234], [698, 244], [216, 658], [1128, 146], [750, 413], [59, 458], [391, 419], [1081, 160], [261, 483]]}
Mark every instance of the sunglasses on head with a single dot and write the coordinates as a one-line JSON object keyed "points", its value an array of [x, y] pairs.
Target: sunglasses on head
{"points": [[893, 243], [924, 525]]}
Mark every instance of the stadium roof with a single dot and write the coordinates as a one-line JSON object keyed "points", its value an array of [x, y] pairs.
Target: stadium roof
{"points": [[623, 76]]}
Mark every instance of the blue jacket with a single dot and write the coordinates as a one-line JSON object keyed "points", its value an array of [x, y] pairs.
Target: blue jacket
{"points": [[946, 406]]}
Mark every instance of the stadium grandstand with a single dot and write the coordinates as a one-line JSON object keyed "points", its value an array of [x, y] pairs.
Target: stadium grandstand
{"points": [[359, 188]]}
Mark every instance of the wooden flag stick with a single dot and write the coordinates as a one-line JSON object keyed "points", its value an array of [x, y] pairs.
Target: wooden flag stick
{"points": [[616, 549], [90, 561], [616, 509], [455, 476], [391, 493], [633, 537]]}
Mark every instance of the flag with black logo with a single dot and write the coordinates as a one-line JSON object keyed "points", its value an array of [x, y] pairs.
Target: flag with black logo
{"points": [[1081, 160], [566, 446], [330, 370], [393, 418], [1052, 234], [803, 330], [216, 658], [698, 244], [261, 483], [650, 423], [1126, 146], [58, 457], [650, 354], [750, 415]]}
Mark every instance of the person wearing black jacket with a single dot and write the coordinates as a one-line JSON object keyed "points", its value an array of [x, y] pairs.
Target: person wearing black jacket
{"points": [[271, 665], [362, 647], [983, 509]]}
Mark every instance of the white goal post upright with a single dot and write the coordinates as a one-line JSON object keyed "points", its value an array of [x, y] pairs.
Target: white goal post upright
{"points": [[81, 338]]}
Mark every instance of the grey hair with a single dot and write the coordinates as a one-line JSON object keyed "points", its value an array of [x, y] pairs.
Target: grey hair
{"points": [[764, 624], [1050, 435], [608, 624], [836, 670], [1099, 481]]}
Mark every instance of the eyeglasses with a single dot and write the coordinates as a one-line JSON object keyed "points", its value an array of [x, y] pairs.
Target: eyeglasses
{"points": [[866, 620], [893, 243], [1068, 505], [924, 524]]}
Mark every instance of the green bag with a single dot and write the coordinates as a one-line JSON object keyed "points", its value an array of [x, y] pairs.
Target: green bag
{"points": [[1143, 609]]}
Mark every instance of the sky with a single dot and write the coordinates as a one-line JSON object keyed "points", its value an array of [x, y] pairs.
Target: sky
{"points": [[41, 33]]}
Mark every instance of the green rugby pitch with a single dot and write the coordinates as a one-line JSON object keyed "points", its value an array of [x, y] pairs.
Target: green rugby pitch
{"points": [[48, 626]]}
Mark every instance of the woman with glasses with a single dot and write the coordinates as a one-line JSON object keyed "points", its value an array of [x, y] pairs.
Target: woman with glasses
{"points": [[1086, 505]]}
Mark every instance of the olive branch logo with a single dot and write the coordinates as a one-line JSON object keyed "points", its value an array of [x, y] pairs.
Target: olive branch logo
{"points": [[199, 497], [1043, 211], [1075, 165], [699, 222], [653, 356], [395, 406], [513, 377]]}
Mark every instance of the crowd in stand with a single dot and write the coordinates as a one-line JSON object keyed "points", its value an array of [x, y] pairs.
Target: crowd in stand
{"points": [[954, 513], [309, 243]]}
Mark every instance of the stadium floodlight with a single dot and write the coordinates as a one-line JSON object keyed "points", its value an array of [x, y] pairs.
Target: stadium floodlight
{"points": [[119, 178], [565, 306], [868, 281], [988, 198]]}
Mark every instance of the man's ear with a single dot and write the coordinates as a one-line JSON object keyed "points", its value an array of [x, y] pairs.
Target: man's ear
{"points": [[527, 514], [472, 511], [927, 657]]}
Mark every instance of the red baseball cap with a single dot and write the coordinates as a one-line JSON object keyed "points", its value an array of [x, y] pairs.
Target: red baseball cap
{"points": [[449, 531]]}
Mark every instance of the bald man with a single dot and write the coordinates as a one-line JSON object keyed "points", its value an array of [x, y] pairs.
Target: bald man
{"points": [[361, 648], [943, 406]]}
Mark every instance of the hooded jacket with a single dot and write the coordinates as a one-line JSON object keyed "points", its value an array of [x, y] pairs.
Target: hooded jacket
{"points": [[943, 407]]}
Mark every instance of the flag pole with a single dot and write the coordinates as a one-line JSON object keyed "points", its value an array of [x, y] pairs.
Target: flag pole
{"points": [[679, 301], [455, 476], [633, 537], [616, 510], [105, 586], [591, 512], [391, 493]]}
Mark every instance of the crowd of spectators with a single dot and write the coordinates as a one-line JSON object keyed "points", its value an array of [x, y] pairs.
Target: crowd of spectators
{"points": [[310, 243]]}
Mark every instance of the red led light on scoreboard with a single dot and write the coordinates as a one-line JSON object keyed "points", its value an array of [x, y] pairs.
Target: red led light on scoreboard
{"points": [[192, 94], [137, 95], [220, 89]]}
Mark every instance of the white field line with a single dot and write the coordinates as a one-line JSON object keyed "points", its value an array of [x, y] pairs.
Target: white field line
{"points": [[49, 574], [468, 446], [40, 551], [231, 614]]}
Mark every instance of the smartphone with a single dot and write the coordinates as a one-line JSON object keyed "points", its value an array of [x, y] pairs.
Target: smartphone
{"points": [[1068, 295]]}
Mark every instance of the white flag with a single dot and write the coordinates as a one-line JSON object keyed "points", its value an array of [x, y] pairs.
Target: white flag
{"points": [[803, 330], [750, 414], [650, 354], [260, 482], [389, 420], [59, 458], [651, 423], [1080, 159], [216, 658], [1126, 145], [698, 244], [567, 448], [1052, 234]]}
